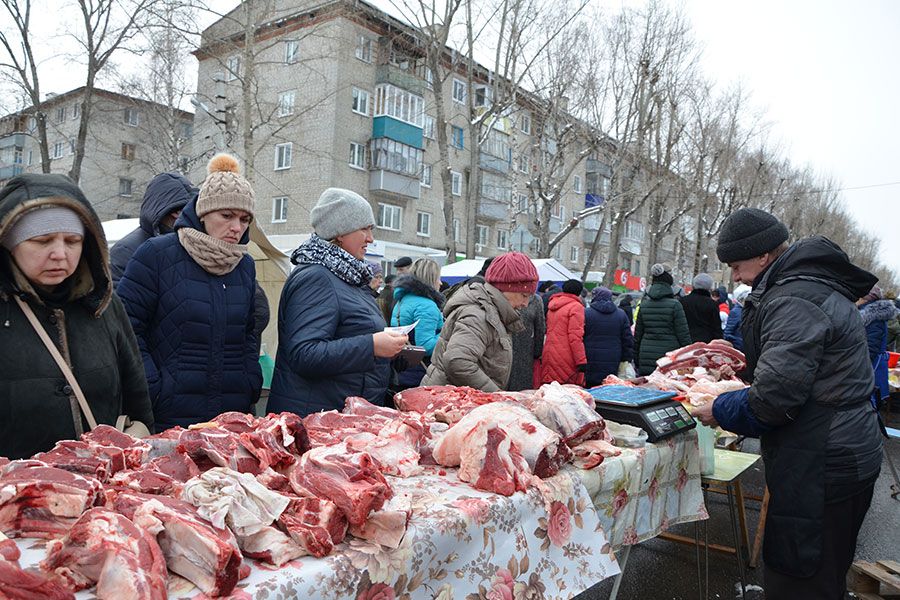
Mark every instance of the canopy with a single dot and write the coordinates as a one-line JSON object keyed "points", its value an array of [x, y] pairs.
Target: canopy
{"points": [[549, 269]]}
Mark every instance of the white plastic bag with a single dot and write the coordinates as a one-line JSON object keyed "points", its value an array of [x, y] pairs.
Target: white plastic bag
{"points": [[626, 370], [706, 437]]}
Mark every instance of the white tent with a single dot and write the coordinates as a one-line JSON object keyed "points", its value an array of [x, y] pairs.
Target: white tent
{"points": [[549, 269], [116, 229]]}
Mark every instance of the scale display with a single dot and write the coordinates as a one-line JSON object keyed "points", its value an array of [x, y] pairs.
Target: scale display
{"points": [[652, 410]]}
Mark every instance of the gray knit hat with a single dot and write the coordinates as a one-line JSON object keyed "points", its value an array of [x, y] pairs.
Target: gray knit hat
{"points": [[42, 221], [224, 187], [749, 232], [702, 282], [340, 211]]}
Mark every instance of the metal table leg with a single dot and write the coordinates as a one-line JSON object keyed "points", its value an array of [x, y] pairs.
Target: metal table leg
{"points": [[737, 540], [623, 562]]}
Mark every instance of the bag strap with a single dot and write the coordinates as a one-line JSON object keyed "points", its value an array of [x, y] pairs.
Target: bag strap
{"points": [[60, 361]]}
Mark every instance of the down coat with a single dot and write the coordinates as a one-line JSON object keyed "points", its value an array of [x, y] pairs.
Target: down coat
{"points": [[564, 345], [607, 340], [89, 326], [475, 346], [195, 329], [875, 316], [660, 327], [702, 314]]}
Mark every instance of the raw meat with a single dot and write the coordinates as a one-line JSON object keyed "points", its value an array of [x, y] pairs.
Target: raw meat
{"points": [[566, 413], [225, 497], [8, 549], [704, 391], [331, 427], [206, 556], [386, 526], [164, 476], [715, 355], [277, 435], [591, 453], [313, 523], [136, 451], [490, 460], [446, 403], [541, 447], [106, 548], [355, 405], [235, 422], [40, 501], [349, 479], [613, 380], [18, 584], [270, 545], [395, 448], [83, 458], [220, 447]]}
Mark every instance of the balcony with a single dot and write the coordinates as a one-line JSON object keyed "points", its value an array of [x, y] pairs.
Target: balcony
{"points": [[381, 180], [16, 139], [588, 237], [400, 78], [496, 210], [593, 200], [10, 171], [391, 128], [498, 165], [555, 225], [592, 165]]}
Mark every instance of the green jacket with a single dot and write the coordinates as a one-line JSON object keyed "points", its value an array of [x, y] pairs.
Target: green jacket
{"points": [[661, 327], [90, 328]]}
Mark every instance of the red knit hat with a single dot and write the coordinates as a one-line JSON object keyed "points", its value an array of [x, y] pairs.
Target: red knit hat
{"points": [[513, 272]]}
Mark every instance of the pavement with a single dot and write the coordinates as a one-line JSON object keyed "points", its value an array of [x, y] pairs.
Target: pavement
{"points": [[660, 569]]}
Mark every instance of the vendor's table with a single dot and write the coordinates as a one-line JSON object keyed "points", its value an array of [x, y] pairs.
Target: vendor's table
{"points": [[544, 544]]}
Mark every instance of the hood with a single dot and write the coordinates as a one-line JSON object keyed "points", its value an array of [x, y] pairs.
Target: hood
{"points": [[878, 310], [660, 290], [92, 283], [815, 259], [604, 306], [411, 285], [189, 218], [167, 192], [560, 300], [485, 295]]}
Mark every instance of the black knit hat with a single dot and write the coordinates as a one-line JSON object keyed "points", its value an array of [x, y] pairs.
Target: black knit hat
{"points": [[573, 286], [661, 272], [749, 232]]}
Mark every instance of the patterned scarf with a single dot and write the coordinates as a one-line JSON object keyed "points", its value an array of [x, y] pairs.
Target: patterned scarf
{"points": [[217, 257], [316, 251]]}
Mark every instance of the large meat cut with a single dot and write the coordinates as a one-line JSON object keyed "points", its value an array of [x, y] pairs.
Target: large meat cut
{"points": [[105, 548], [446, 403], [90, 459], [165, 475], [136, 451], [564, 411], [715, 355], [315, 524], [19, 584]]}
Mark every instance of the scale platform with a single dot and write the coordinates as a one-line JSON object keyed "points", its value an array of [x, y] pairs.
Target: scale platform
{"points": [[652, 410]]}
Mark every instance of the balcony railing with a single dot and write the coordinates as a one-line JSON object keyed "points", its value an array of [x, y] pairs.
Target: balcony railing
{"points": [[396, 76], [496, 210]]}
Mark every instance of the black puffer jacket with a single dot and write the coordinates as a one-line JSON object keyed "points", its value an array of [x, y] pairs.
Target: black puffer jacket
{"points": [[702, 314], [88, 325]]}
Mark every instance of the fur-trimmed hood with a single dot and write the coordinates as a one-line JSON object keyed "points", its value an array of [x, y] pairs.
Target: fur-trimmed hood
{"points": [[878, 310], [410, 284]]}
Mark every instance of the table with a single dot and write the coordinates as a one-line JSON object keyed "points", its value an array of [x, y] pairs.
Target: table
{"points": [[544, 543]]}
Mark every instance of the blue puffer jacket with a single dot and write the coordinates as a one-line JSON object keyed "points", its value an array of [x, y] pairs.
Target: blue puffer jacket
{"points": [[733, 327], [325, 346], [415, 300], [194, 329], [607, 340], [875, 316]]}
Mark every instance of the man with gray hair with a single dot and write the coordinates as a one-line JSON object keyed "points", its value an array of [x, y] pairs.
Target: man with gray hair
{"points": [[809, 400], [701, 311]]}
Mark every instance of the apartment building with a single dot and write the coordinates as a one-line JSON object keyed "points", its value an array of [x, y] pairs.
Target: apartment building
{"points": [[129, 141], [341, 97]]}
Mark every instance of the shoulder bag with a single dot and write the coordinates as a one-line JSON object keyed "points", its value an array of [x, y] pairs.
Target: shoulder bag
{"points": [[123, 422]]}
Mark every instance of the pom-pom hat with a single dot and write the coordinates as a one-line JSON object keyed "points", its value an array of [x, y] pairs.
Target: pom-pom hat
{"points": [[512, 272], [224, 187]]}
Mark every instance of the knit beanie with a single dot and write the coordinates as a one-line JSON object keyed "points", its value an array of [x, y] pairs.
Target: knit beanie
{"points": [[661, 272], [874, 294], [749, 232], [512, 272], [42, 221], [224, 187], [702, 282], [340, 211], [573, 286], [602, 293]]}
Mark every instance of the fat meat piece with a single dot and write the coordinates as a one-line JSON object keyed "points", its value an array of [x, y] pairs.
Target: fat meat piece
{"points": [[270, 545], [164, 476], [219, 447], [18, 584], [90, 459], [315, 524], [564, 411], [136, 451]]}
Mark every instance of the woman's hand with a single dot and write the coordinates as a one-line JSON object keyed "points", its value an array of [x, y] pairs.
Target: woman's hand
{"points": [[388, 344]]}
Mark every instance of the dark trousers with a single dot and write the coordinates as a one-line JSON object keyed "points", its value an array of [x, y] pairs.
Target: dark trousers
{"points": [[842, 522]]}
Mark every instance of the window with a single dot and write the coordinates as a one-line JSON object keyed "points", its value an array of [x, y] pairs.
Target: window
{"points": [[556, 210], [577, 184], [364, 49], [395, 157], [484, 95], [17, 156], [482, 233], [573, 254], [455, 183], [426, 176], [59, 149], [125, 186], [459, 91], [428, 127], [456, 236], [523, 202], [71, 145], [423, 224], [524, 163], [634, 230], [232, 68], [360, 102], [76, 110], [502, 239], [291, 52], [457, 136], [132, 117], [357, 155], [429, 78], [283, 154], [60, 114], [636, 268], [401, 104], [279, 209], [389, 216], [127, 151], [525, 124], [496, 187], [286, 103], [32, 123]]}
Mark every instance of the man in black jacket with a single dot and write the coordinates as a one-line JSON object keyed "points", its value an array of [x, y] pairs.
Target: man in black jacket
{"points": [[809, 400], [701, 311]]}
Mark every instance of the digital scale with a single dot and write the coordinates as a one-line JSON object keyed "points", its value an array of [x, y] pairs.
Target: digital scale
{"points": [[652, 410]]}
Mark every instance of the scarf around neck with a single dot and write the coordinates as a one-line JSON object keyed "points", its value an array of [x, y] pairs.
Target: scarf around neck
{"points": [[316, 251], [215, 256]]}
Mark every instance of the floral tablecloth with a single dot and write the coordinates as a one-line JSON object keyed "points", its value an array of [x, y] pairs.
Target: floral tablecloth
{"points": [[639, 494], [461, 543]]}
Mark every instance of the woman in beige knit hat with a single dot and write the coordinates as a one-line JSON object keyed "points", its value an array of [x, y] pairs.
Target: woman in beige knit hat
{"points": [[190, 297]]}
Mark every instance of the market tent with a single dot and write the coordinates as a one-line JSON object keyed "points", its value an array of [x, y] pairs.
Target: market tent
{"points": [[549, 269]]}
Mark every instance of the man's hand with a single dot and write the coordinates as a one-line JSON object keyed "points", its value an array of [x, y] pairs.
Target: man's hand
{"points": [[704, 414]]}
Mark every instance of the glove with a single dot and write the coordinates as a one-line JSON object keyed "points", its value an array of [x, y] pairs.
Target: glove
{"points": [[581, 368]]}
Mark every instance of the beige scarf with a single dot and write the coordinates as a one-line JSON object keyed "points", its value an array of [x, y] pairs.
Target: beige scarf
{"points": [[215, 256]]}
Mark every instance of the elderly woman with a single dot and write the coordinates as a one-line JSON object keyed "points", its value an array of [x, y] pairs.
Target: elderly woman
{"points": [[331, 338], [417, 300], [475, 346], [190, 297], [53, 258], [661, 325]]}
